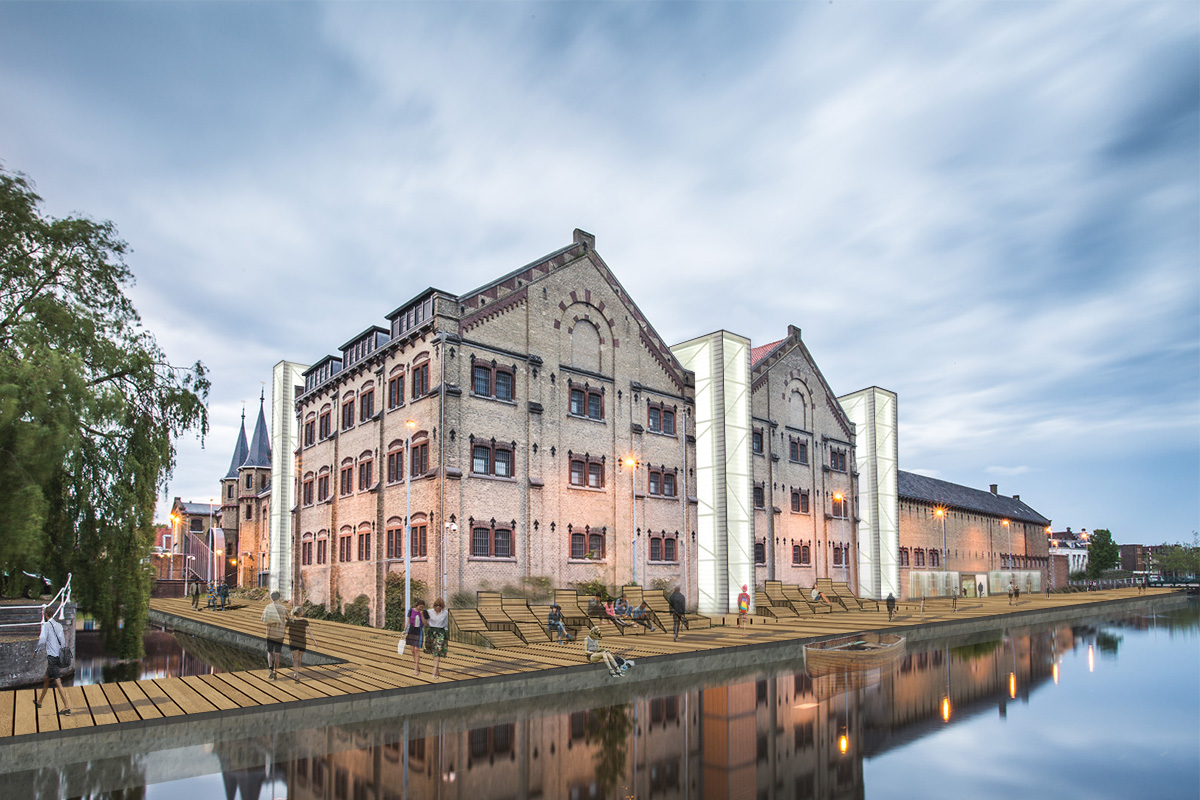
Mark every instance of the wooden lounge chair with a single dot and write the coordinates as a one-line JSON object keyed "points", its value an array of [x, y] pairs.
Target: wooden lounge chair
{"points": [[634, 595], [843, 591], [573, 615], [658, 603], [531, 629], [491, 608], [771, 601], [825, 587], [802, 602]]}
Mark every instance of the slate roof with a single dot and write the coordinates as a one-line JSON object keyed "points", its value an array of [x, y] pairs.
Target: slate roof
{"points": [[240, 451], [964, 498], [260, 445], [198, 509]]}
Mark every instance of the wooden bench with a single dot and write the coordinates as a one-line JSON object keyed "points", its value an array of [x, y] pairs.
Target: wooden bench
{"points": [[491, 607], [770, 602], [634, 596], [658, 603], [802, 603], [843, 591], [530, 628], [573, 615], [470, 627], [825, 587]]}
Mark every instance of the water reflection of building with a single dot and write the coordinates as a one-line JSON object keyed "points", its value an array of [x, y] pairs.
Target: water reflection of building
{"points": [[789, 735]]}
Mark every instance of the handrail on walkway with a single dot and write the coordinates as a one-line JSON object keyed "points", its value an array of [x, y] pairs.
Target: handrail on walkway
{"points": [[64, 594]]}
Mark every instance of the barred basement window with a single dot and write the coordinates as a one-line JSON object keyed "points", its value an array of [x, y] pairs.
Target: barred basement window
{"points": [[661, 483], [587, 402], [759, 497], [798, 451], [489, 380], [491, 543], [587, 471], [760, 553], [578, 545], [756, 441], [492, 459], [837, 460], [660, 419]]}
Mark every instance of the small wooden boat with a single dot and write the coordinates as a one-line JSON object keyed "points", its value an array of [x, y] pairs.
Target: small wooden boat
{"points": [[860, 651]]}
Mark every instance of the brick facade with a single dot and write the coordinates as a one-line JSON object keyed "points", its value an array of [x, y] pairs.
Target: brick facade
{"points": [[804, 469], [525, 396]]}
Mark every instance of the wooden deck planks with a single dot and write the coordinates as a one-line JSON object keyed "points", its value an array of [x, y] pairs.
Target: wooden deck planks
{"points": [[372, 663]]}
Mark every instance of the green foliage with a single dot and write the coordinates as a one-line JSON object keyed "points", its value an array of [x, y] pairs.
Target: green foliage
{"points": [[663, 584], [359, 612], [539, 587], [394, 611], [89, 413], [1103, 553], [463, 599], [1178, 560], [594, 587]]}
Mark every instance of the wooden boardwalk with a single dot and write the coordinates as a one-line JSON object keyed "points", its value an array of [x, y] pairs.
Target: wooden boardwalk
{"points": [[371, 663]]}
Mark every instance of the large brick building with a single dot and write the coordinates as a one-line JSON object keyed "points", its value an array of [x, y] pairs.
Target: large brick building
{"points": [[539, 428]]}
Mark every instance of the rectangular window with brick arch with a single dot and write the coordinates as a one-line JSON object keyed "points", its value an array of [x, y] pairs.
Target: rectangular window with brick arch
{"points": [[418, 541], [419, 463], [395, 391], [348, 414], [366, 405], [491, 543], [364, 547], [366, 475], [420, 381], [395, 543]]}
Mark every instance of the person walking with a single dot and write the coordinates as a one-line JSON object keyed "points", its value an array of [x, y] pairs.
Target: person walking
{"points": [[743, 608], [1017, 594], [224, 593], [196, 596], [1010, 593], [274, 616], [954, 599], [211, 589], [554, 624], [437, 634], [298, 637], [891, 605], [414, 629], [678, 610], [53, 641]]}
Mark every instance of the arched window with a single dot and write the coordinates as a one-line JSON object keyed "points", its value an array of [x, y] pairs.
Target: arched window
{"points": [[760, 553], [904, 556]]}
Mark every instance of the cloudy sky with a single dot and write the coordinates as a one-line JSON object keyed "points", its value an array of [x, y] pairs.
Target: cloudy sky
{"points": [[992, 209]]}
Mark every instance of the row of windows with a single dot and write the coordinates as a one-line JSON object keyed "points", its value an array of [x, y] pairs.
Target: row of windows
{"points": [[839, 508], [321, 428], [918, 557], [801, 554], [798, 451], [347, 549], [486, 542], [319, 486]]}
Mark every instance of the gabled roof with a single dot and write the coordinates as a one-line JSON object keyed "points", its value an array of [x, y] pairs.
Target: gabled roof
{"points": [[260, 445], [757, 354], [196, 509], [931, 490], [240, 451]]}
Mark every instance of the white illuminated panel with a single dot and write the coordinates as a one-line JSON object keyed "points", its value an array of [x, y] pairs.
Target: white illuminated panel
{"points": [[874, 414], [724, 533], [285, 376]]}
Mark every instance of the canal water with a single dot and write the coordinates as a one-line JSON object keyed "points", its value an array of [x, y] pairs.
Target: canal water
{"points": [[1103, 708]]}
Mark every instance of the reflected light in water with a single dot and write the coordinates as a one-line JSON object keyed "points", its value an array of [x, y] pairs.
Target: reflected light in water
{"points": [[805, 706], [843, 743], [945, 709], [1054, 673], [1091, 659], [1012, 685]]}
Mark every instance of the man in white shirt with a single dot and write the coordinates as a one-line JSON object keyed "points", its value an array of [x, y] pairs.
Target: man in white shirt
{"points": [[53, 641], [274, 616]]}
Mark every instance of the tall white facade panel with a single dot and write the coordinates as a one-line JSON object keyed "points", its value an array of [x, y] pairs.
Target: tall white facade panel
{"points": [[739, 479], [725, 525], [285, 377], [874, 414]]}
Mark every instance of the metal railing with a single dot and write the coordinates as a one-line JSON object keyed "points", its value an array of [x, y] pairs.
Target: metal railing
{"points": [[62, 598]]}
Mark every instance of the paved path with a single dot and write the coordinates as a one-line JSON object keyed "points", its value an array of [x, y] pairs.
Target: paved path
{"points": [[371, 663]]}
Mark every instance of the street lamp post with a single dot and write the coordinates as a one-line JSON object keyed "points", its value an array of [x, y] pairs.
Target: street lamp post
{"points": [[410, 424], [841, 499], [632, 464], [1012, 578]]}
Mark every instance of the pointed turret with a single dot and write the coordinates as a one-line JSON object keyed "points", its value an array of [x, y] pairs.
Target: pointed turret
{"points": [[239, 452], [260, 444]]}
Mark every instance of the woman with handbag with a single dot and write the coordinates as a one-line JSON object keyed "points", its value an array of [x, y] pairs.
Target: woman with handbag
{"points": [[437, 633], [413, 633], [58, 658]]}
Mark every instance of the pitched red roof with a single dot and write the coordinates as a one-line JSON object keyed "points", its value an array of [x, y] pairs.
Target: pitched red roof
{"points": [[757, 354]]}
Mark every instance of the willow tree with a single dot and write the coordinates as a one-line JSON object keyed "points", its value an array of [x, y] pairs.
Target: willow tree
{"points": [[90, 410]]}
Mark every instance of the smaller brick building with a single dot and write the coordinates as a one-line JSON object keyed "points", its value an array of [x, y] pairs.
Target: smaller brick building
{"points": [[953, 536]]}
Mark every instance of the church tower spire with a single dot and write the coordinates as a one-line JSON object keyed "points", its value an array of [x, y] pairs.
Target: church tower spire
{"points": [[260, 444], [240, 452]]}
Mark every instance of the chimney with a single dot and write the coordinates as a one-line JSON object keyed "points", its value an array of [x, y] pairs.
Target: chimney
{"points": [[994, 487], [1016, 497], [584, 238]]}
